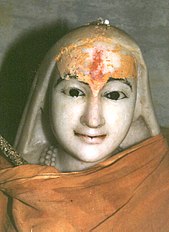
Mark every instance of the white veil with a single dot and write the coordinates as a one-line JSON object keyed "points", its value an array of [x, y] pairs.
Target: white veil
{"points": [[33, 133]]}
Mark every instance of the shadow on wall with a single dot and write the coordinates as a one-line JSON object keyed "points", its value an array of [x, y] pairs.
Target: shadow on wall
{"points": [[18, 71]]}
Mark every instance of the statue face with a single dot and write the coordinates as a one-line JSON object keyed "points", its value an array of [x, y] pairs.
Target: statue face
{"points": [[90, 122], [94, 62]]}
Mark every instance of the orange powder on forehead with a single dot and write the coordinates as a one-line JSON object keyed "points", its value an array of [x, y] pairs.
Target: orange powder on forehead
{"points": [[94, 63], [96, 67], [81, 43]]}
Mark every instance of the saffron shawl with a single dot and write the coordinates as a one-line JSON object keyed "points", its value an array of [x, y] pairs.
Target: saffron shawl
{"points": [[128, 192]]}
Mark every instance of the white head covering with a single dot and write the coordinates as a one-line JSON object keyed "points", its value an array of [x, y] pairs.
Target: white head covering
{"points": [[34, 133]]}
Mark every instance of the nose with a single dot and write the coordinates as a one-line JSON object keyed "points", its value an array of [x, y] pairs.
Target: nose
{"points": [[92, 116]]}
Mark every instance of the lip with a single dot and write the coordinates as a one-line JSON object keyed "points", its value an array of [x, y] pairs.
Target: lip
{"points": [[91, 139]]}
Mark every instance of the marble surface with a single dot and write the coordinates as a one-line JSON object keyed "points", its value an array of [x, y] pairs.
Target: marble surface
{"points": [[29, 28]]}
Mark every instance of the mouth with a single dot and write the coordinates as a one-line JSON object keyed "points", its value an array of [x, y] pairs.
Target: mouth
{"points": [[96, 139]]}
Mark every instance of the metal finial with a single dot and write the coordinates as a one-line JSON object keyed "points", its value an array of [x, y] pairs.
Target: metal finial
{"points": [[101, 21]]}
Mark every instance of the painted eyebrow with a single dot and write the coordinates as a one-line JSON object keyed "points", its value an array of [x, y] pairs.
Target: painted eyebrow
{"points": [[125, 81], [58, 81], [62, 79], [71, 77]]}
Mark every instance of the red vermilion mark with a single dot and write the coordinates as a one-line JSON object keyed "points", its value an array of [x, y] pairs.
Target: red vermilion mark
{"points": [[97, 65]]}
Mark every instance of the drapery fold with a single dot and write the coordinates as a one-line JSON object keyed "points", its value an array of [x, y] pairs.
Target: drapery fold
{"points": [[127, 192]]}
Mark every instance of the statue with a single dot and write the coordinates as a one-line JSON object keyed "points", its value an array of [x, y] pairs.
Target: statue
{"points": [[82, 71], [89, 123]]}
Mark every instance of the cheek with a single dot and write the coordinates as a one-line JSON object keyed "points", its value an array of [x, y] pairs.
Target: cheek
{"points": [[64, 110], [118, 116]]}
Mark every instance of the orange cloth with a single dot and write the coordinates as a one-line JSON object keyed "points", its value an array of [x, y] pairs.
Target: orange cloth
{"points": [[128, 192]]}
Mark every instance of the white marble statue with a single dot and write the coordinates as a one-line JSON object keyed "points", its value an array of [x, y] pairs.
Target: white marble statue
{"points": [[90, 99]]}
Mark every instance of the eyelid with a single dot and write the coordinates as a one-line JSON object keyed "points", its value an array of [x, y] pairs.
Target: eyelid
{"points": [[122, 89], [125, 92], [67, 84], [117, 86], [73, 87], [123, 81], [119, 92], [66, 91]]}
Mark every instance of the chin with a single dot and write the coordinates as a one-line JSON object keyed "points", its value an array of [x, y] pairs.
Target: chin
{"points": [[91, 157]]}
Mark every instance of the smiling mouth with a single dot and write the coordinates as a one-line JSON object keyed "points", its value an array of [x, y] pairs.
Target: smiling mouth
{"points": [[91, 139]]}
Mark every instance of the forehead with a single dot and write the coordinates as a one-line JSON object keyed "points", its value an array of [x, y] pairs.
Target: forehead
{"points": [[95, 62]]}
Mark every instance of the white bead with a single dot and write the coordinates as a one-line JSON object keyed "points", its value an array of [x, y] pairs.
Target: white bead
{"points": [[47, 157], [47, 162], [49, 152], [54, 155], [53, 164], [106, 21]]}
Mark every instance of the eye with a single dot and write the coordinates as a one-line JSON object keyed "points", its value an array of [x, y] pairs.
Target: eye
{"points": [[115, 95], [73, 92]]}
